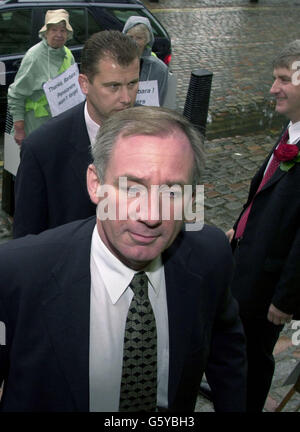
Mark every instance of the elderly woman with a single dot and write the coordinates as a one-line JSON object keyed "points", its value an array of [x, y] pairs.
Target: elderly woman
{"points": [[152, 68], [26, 99]]}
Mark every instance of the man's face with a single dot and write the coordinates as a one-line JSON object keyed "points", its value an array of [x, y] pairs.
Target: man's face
{"points": [[113, 89], [56, 35], [286, 93], [145, 161]]}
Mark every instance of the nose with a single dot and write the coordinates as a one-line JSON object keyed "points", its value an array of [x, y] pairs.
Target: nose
{"points": [[149, 211], [125, 95], [275, 87]]}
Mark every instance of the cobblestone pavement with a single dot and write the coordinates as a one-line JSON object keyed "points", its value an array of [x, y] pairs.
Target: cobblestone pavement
{"points": [[236, 40]]}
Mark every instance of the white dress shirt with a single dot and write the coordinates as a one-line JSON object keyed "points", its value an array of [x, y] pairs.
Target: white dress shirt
{"points": [[110, 301], [92, 127], [294, 132]]}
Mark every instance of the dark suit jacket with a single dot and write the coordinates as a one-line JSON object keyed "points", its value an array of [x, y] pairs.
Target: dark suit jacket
{"points": [[45, 303], [268, 256], [50, 187]]}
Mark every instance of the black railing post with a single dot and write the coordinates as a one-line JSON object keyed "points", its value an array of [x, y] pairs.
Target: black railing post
{"points": [[197, 99]]}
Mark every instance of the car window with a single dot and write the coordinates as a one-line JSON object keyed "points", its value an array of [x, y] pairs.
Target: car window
{"points": [[78, 23], [93, 26], [15, 31], [123, 15]]}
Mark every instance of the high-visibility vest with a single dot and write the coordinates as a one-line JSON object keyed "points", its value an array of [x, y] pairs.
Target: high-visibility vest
{"points": [[39, 106]]}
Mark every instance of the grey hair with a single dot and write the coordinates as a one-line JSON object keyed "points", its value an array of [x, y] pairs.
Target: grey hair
{"points": [[142, 28], [287, 55], [144, 120]]}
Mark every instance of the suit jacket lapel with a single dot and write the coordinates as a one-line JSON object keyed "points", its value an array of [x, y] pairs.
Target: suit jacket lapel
{"points": [[80, 144], [259, 175], [180, 285], [67, 312], [278, 173]]}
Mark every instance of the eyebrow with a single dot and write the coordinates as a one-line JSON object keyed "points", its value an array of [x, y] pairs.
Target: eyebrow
{"points": [[281, 76], [108, 84], [143, 180], [135, 80]]}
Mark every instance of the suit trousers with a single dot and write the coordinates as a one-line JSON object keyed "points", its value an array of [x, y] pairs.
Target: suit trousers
{"points": [[261, 337]]}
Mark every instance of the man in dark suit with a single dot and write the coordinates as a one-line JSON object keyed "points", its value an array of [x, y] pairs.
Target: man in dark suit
{"points": [[266, 238], [50, 187], [124, 313]]}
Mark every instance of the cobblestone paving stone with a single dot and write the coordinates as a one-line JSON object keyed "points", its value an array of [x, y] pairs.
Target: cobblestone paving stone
{"points": [[230, 164], [236, 40]]}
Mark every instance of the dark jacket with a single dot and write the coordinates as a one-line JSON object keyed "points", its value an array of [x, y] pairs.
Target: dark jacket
{"points": [[50, 187], [268, 256], [45, 305]]}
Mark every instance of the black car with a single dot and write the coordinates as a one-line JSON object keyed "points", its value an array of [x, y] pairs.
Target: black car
{"points": [[21, 20]]}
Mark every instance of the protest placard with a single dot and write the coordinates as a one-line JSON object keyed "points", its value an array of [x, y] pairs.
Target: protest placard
{"points": [[63, 92], [148, 93]]}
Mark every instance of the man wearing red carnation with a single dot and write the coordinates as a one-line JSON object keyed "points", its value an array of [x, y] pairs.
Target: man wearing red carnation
{"points": [[266, 237]]}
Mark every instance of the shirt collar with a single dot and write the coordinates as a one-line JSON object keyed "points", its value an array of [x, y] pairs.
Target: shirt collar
{"points": [[155, 272], [294, 132], [91, 125], [115, 275]]}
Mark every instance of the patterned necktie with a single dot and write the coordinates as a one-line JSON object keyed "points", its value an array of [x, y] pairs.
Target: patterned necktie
{"points": [[139, 374], [273, 165]]}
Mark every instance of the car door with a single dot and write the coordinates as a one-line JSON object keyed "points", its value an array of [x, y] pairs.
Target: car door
{"points": [[15, 39]]}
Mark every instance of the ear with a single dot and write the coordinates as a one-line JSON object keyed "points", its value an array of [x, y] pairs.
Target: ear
{"points": [[193, 204], [93, 183], [84, 83]]}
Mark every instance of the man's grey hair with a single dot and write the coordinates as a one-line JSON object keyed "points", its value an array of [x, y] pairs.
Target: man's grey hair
{"points": [[152, 121], [287, 55]]}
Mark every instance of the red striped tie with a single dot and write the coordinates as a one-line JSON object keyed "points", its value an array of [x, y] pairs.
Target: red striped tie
{"points": [[268, 174]]}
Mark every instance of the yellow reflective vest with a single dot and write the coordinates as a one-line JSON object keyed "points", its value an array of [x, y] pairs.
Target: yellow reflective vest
{"points": [[39, 106], [26, 98]]}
